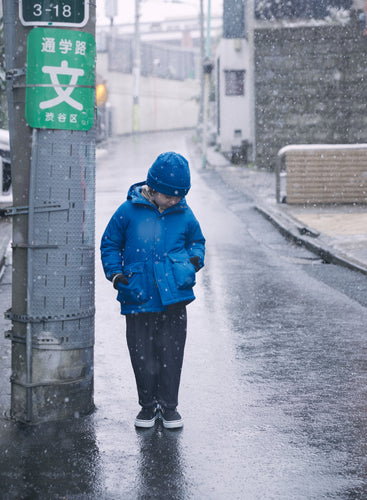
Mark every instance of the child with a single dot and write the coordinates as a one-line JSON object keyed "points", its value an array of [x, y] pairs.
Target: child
{"points": [[151, 249]]}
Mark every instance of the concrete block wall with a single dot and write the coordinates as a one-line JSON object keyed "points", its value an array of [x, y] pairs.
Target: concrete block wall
{"points": [[310, 87], [164, 104], [326, 174]]}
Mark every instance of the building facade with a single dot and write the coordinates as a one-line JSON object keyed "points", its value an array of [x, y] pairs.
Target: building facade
{"points": [[292, 80]]}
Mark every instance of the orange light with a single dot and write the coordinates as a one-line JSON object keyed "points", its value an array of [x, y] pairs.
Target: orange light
{"points": [[101, 94]]}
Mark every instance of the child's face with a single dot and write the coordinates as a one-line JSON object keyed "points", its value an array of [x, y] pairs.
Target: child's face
{"points": [[165, 201]]}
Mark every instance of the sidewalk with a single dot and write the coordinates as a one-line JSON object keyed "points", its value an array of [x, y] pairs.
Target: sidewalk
{"points": [[338, 234]]}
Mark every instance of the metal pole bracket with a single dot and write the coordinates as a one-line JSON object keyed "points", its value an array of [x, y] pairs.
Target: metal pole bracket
{"points": [[13, 74], [49, 207]]}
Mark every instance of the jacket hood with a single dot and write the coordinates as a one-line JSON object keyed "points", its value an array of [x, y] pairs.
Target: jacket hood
{"points": [[134, 194]]}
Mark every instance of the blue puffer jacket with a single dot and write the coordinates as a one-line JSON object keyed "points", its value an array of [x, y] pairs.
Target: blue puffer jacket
{"points": [[153, 250]]}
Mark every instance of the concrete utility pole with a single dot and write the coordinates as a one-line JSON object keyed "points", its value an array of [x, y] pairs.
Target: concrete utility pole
{"points": [[136, 69], [207, 69], [250, 18], [202, 56], [111, 10], [53, 173]]}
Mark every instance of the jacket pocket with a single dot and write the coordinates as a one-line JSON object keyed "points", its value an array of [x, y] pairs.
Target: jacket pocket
{"points": [[183, 271], [136, 291]]}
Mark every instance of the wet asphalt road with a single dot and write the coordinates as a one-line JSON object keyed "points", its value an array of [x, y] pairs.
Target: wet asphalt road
{"points": [[273, 389]]}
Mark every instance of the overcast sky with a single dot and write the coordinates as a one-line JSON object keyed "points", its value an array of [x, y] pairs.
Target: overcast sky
{"points": [[153, 10]]}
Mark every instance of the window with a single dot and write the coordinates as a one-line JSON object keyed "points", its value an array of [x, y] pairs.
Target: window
{"points": [[235, 82]]}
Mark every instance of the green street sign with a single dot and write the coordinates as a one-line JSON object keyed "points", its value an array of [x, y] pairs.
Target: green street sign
{"points": [[60, 79], [54, 12]]}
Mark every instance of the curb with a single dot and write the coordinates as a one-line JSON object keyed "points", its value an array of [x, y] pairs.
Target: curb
{"points": [[291, 229], [293, 232]]}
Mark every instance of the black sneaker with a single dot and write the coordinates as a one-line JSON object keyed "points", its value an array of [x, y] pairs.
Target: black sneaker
{"points": [[171, 418], [146, 417]]}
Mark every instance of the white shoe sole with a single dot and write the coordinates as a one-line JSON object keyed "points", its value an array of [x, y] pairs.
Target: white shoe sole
{"points": [[172, 424], [145, 423]]}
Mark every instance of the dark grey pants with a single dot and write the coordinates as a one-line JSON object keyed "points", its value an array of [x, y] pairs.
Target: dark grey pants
{"points": [[156, 343]]}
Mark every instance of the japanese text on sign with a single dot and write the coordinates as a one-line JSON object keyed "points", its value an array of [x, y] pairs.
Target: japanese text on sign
{"points": [[60, 79]]}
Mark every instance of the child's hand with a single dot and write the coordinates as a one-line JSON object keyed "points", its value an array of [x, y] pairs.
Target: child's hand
{"points": [[195, 261], [119, 278]]}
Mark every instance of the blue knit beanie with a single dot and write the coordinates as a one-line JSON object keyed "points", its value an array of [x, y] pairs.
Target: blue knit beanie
{"points": [[170, 175]]}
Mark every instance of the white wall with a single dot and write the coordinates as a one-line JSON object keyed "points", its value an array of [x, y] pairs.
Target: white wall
{"points": [[164, 104], [235, 111]]}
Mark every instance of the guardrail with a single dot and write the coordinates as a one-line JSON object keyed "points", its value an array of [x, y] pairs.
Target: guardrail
{"points": [[322, 174]]}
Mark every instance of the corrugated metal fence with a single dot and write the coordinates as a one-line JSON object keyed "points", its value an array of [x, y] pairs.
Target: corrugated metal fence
{"points": [[159, 60]]}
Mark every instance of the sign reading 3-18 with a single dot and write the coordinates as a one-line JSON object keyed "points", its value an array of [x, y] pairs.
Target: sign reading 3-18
{"points": [[54, 12]]}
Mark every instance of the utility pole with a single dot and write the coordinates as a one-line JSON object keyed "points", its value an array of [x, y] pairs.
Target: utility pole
{"points": [[136, 69], [111, 11], [202, 56], [52, 141], [250, 18], [207, 69]]}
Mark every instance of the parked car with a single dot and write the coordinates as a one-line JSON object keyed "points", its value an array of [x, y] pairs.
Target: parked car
{"points": [[5, 169]]}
